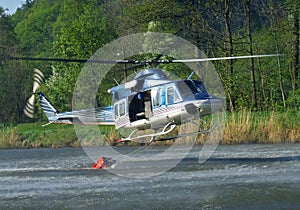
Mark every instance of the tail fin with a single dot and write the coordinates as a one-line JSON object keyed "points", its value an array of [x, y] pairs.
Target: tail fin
{"points": [[47, 107]]}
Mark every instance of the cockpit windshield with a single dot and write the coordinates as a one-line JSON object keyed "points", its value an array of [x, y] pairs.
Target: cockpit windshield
{"points": [[199, 86], [194, 87]]}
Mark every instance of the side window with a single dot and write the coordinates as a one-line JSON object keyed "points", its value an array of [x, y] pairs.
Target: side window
{"points": [[159, 96], [116, 111], [172, 95], [162, 95], [155, 97], [122, 108]]}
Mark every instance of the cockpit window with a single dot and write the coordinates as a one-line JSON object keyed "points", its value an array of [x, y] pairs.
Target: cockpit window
{"points": [[191, 87], [200, 87]]}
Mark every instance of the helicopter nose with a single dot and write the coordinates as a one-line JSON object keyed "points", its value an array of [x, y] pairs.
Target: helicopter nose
{"points": [[191, 109], [210, 106]]}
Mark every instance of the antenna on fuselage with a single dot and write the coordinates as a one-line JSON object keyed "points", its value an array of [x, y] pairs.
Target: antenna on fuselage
{"points": [[190, 76], [116, 81]]}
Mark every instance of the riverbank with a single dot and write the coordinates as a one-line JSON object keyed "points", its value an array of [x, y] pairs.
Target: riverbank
{"points": [[242, 127], [245, 127], [33, 135]]}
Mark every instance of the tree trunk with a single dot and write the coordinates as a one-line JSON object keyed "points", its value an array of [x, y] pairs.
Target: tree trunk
{"points": [[296, 51], [229, 42], [274, 34], [250, 42], [229, 50]]}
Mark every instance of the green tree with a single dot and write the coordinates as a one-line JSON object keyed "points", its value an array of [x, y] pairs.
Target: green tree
{"points": [[35, 31], [78, 37], [12, 75], [76, 29], [293, 7], [136, 16]]}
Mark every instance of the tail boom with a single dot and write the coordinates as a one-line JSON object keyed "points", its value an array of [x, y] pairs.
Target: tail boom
{"points": [[98, 116]]}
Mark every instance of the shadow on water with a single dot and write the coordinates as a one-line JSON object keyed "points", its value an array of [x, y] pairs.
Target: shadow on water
{"points": [[238, 160]]}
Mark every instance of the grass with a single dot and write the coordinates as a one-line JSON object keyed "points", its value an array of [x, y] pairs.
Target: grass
{"points": [[33, 135], [262, 127], [9, 138], [243, 127]]}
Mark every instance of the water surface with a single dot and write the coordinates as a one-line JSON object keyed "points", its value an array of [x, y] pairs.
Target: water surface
{"points": [[240, 177]]}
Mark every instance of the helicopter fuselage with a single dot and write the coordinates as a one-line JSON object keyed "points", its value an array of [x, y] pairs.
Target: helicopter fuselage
{"points": [[151, 100]]}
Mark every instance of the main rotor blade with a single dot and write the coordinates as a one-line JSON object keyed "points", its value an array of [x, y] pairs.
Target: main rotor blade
{"points": [[222, 58], [74, 60], [143, 62]]}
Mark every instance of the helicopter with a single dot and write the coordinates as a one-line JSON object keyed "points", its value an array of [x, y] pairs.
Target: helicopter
{"points": [[150, 101]]}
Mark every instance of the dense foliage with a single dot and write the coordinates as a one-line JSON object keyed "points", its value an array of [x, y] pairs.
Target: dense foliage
{"points": [[76, 29]]}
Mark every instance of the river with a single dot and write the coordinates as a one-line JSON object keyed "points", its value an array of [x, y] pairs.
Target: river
{"points": [[235, 177]]}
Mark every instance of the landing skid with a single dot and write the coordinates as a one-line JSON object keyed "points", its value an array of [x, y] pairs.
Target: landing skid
{"points": [[201, 131], [166, 130]]}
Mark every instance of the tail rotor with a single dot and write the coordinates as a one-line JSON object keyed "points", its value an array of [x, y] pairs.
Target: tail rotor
{"points": [[37, 81]]}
